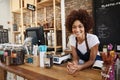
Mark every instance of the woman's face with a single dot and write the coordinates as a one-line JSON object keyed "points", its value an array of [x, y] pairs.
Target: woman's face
{"points": [[78, 28]]}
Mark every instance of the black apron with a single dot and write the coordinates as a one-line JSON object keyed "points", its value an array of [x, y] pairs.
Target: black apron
{"points": [[86, 56]]}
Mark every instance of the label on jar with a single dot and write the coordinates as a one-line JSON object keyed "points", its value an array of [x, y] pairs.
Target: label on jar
{"points": [[47, 62]]}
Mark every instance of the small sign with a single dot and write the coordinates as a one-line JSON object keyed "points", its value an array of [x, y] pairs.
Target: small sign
{"points": [[31, 7], [118, 47], [1, 26]]}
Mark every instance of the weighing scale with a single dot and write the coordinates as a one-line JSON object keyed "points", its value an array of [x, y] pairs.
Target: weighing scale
{"points": [[59, 58]]}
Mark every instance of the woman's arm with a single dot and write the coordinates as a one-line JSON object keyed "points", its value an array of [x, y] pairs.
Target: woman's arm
{"points": [[91, 60], [74, 66], [70, 66]]}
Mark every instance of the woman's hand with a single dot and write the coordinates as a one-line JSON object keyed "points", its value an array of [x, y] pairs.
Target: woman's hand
{"points": [[72, 67]]}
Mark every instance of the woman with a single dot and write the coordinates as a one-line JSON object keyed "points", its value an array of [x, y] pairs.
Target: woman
{"points": [[83, 44]]}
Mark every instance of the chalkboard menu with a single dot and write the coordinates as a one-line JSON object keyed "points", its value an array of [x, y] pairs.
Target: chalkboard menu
{"points": [[107, 21], [4, 36]]}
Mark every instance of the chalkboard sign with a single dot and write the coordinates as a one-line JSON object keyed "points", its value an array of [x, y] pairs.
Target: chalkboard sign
{"points": [[107, 21], [31, 7], [4, 36]]}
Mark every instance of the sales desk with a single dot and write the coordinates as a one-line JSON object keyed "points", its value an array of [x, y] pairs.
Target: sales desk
{"points": [[57, 72]]}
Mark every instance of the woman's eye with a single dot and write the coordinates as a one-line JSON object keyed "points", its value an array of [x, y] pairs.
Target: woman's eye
{"points": [[76, 27], [79, 26], [73, 27]]}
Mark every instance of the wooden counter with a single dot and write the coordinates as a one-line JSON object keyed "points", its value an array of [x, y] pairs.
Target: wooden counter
{"points": [[57, 72]]}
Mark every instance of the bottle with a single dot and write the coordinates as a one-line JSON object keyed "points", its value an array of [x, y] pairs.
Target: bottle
{"points": [[52, 39], [49, 38], [1, 54], [105, 48], [42, 54], [48, 61]]}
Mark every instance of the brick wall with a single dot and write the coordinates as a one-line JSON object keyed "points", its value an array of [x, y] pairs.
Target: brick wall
{"points": [[69, 6], [49, 15], [77, 4]]}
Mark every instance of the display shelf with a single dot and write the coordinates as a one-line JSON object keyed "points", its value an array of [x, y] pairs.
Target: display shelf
{"points": [[20, 8], [45, 3]]}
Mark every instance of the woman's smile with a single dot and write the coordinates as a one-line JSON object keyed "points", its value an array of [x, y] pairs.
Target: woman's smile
{"points": [[78, 28]]}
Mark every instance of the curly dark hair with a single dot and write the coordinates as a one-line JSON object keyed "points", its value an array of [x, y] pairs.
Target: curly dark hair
{"points": [[82, 16]]}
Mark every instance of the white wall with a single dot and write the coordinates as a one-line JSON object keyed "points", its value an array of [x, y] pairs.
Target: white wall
{"points": [[5, 15]]}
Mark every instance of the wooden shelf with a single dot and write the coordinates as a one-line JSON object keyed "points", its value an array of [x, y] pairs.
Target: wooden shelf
{"points": [[16, 32], [19, 7], [54, 47], [47, 29], [68, 51], [19, 10], [45, 3]]}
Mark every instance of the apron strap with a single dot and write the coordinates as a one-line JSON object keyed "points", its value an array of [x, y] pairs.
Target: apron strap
{"points": [[88, 50]]}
